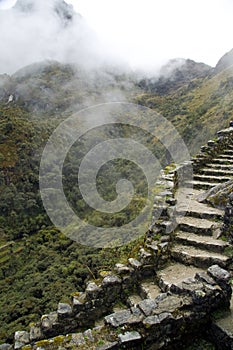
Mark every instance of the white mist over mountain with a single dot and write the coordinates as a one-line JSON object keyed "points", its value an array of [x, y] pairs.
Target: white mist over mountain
{"points": [[33, 31], [145, 34], [150, 32]]}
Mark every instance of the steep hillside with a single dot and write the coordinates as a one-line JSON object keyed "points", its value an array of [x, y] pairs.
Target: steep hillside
{"points": [[198, 102], [198, 109], [225, 62]]}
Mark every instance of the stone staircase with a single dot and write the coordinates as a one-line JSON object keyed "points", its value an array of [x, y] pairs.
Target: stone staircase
{"points": [[196, 240], [168, 291]]}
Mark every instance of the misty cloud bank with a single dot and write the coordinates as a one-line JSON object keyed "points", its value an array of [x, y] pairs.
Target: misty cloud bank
{"points": [[34, 31]]}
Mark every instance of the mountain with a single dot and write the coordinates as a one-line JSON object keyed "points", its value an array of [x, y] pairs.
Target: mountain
{"points": [[60, 8], [194, 98], [50, 87], [175, 74], [225, 62], [45, 267]]}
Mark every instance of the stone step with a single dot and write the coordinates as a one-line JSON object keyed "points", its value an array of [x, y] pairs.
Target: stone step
{"points": [[216, 172], [149, 289], [172, 276], [222, 161], [198, 257], [200, 211], [211, 178], [225, 156], [187, 204], [133, 300], [220, 166], [197, 226], [201, 184], [229, 151], [207, 214], [202, 242]]}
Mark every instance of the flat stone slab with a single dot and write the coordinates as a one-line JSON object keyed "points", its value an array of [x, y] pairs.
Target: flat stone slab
{"points": [[148, 289], [215, 171], [134, 300], [187, 203], [228, 156], [203, 242], [196, 225], [129, 338], [124, 317], [198, 257], [147, 306], [201, 184], [211, 178], [175, 274], [223, 160], [221, 166]]}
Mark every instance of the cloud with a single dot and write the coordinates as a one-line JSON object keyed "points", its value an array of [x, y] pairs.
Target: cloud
{"points": [[149, 32], [41, 33], [143, 33]]}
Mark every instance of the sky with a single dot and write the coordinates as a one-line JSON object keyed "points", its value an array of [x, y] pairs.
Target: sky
{"points": [[147, 33], [152, 31]]}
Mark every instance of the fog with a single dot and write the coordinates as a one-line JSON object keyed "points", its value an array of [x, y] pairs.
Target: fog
{"points": [[33, 31], [133, 33]]}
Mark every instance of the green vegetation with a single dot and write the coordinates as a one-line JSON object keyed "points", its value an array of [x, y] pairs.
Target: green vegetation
{"points": [[39, 266], [198, 109]]}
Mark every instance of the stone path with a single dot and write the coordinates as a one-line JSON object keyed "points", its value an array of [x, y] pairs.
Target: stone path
{"points": [[196, 237], [149, 298]]}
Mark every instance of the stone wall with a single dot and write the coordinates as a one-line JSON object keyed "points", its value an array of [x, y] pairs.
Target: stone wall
{"points": [[227, 228], [153, 323], [213, 148]]}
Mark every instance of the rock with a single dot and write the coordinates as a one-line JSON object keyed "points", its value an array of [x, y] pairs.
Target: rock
{"points": [[78, 304], [122, 269], [35, 333], [218, 195], [163, 246], [151, 321], [156, 319], [77, 339], [89, 336], [145, 257], [111, 280], [118, 318], [219, 274], [64, 310], [108, 346], [93, 291], [6, 347], [171, 303], [147, 306], [21, 339], [123, 317], [190, 285], [112, 286], [135, 263], [130, 338], [204, 277], [47, 321]]}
